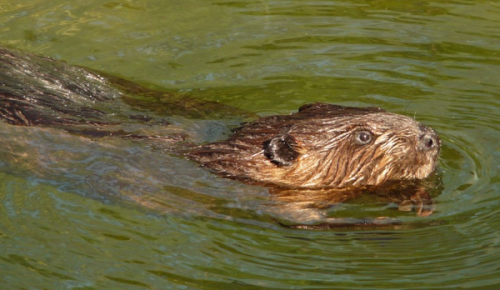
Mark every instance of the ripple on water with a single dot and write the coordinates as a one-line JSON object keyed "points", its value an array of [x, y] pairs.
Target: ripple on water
{"points": [[112, 214]]}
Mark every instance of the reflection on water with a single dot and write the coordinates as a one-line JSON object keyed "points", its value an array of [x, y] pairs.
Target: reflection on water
{"points": [[116, 214]]}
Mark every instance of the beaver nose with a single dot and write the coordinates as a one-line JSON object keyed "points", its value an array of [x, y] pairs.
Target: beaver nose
{"points": [[428, 140]]}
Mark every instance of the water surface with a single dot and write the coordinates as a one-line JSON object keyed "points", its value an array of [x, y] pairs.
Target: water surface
{"points": [[77, 213]]}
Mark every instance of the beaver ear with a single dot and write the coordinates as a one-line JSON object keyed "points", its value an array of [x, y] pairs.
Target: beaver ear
{"points": [[281, 150]]}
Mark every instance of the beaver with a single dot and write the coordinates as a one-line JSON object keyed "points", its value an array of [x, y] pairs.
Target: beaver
{"points": [[322, 146], [325, 146]]}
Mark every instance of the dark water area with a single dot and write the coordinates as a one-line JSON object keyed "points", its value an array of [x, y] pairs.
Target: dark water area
{"points": [[109, 213]]}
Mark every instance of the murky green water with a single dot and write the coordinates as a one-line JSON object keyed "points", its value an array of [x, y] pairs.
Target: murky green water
{"points": [[111, 214]]}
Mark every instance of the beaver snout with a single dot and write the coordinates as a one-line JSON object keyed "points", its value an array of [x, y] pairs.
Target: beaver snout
{"points": [[429, 140]]}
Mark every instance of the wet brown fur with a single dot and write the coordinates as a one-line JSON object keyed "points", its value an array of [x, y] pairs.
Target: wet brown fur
{"points": [[320, 146]]}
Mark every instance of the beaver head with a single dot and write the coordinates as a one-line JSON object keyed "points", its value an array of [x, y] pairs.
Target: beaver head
{"points": [[325, 145]]}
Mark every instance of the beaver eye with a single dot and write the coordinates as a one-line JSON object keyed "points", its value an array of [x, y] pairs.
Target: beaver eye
{"points": [[363, 137]]}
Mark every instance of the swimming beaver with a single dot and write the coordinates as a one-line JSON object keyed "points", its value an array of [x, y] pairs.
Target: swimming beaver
{"points": [[325, 145], [321, 146]]}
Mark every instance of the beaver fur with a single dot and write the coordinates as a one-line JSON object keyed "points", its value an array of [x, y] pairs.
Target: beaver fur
{"points": [[324, 145], [320, 146]]}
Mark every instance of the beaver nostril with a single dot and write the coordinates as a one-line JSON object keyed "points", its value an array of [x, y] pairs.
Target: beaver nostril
{"points": [[427, 142]]}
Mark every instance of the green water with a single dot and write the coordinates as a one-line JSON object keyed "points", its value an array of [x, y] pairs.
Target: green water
{"points": [[110, 214]]}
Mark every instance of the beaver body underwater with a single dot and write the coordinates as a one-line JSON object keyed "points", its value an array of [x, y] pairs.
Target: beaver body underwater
{"points": [[321, 146]]}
